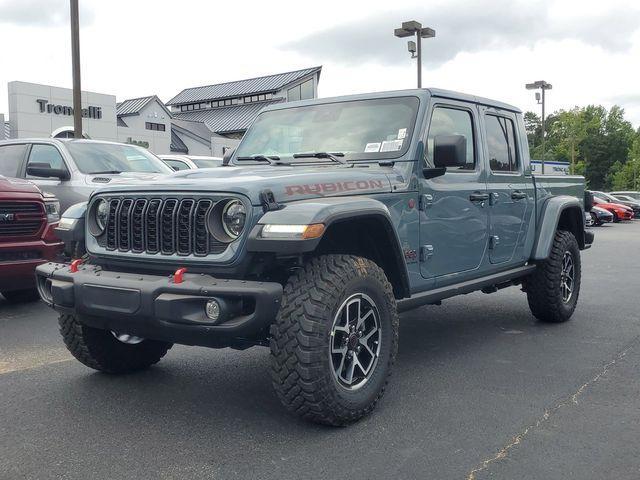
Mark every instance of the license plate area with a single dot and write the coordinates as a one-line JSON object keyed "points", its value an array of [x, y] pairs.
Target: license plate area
{"points": [[110, 299]]}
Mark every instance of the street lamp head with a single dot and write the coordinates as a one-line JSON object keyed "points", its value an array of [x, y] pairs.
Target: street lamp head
{"points": [[427, 32], [539, 84], [401, 33], [412, 26]]}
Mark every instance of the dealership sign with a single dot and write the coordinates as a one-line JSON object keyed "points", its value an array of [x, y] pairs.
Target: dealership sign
{"points": [[46, 107]]}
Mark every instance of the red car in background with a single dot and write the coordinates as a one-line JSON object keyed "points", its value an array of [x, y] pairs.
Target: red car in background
{"points": [[620, 212], [27, 239]]}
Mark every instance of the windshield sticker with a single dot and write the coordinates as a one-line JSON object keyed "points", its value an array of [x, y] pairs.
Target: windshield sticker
{"points": [[402, 133], [391, 145], [372, 147]]}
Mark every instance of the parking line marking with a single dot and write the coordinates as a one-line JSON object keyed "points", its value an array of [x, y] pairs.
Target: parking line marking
{"points": [[548, 412], [6, 367]]}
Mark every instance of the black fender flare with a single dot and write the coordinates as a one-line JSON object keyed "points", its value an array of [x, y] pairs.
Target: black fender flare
{"points": [[328, 211], [550, 219]]}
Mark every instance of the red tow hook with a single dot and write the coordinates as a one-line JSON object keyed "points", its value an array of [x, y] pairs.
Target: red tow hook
{"points": [[73, 268], [178, 277]]}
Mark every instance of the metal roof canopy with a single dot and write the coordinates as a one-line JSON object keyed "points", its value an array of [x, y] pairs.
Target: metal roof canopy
{"points": [[236, 118], [134, 106], [251, 86]]}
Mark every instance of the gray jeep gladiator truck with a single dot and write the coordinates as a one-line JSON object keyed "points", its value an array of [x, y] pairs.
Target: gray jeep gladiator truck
{"points": [[332, 216]]}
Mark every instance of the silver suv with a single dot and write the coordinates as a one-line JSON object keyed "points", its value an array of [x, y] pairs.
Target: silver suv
{"points": [[71, 169]]}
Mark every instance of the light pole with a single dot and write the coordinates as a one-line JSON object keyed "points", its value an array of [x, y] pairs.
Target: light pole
{"points": [[409, 29], [75, 66], [544, 86]]}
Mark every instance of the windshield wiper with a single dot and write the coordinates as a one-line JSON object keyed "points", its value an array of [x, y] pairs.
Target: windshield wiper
{"points": [[106, 172], [272, 159], [331, 156]]}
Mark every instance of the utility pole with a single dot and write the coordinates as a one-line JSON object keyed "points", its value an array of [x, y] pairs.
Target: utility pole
{"points": [[541, 85], [409, 29], [75, 65]]}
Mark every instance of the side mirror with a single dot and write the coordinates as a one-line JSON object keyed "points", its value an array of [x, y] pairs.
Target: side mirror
{"points": [[449, 151], [44, 170], [227, 156]]}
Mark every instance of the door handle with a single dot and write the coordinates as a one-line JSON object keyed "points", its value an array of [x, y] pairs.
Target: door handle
{"points": [[479, 197], [518, 195]]}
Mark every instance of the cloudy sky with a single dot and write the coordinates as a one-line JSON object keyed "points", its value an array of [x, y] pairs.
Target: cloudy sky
{"points": [[589, 50]]}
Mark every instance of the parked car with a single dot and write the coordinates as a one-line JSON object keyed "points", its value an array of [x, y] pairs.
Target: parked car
{"points": [[633, 204], [190, 162], [600, 216], [27, 239], [630, 193], [619, 212], [628, 200], [293, 247], [71, 169]]}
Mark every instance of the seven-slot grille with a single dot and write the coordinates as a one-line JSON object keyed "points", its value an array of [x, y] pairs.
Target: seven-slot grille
{"points": [[165, 226], [21, 219]]}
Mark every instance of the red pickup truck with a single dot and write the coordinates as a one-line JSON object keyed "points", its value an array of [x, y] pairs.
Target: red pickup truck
{"points": [[27, 239]]}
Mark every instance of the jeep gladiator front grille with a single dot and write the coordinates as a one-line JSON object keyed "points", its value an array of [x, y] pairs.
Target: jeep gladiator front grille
{"points": [[21, 219], [165, 226]]}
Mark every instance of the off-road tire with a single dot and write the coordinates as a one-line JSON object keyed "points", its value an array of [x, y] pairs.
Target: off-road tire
{"points": [[543, 286], [22, 296], [100, 350], [301, 367]]}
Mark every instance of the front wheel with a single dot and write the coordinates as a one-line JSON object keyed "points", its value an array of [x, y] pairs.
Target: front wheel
{"points": [[335, 339], [553, 288], [107, 351]]}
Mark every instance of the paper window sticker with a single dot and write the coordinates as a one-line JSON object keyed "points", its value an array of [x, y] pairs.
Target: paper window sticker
{"points": [[402, 133], [372, 147], [391, 146]]}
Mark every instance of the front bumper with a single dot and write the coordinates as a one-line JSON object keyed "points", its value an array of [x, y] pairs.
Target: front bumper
{"points": [[19, 260], [155, 307]]}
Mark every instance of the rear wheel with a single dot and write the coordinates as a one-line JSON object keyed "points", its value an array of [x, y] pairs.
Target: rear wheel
{"points": [[335, 339], [107, 351], [21, 296], [554, 287]]}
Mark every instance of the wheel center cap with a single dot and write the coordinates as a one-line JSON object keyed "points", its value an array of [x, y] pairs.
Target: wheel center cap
{"points": [[353, 341]]}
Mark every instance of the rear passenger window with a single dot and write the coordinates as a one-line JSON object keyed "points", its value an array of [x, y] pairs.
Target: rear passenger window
{"points": [[45, 156], [10, 159], [451, 121], [501, 143]]}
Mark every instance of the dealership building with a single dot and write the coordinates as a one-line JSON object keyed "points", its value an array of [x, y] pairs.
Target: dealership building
{"points": [[205, 120]]}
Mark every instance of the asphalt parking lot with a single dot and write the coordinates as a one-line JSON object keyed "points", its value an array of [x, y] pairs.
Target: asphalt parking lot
{"points": [[480, 390]]}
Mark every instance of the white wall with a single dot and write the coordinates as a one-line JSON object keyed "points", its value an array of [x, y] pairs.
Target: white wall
{"points": [[1, 126], [27, 119], [159, 142]]}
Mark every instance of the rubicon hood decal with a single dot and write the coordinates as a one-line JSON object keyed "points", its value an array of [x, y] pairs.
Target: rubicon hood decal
{"points": [[333, 187]]}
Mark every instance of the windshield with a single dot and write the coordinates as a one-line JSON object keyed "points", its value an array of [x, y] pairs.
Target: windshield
{"points": [[206, 162], [92, 158], [359, 129]]}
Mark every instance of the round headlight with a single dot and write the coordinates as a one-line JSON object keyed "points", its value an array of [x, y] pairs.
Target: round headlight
{"points": [[102, 214], [98, 217], [234, 216]]}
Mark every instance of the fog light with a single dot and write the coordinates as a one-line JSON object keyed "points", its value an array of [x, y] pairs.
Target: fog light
{"points": [[212, 309]]}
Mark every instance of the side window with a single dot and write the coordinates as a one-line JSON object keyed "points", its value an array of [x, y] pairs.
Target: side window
{"points": [[45, 156], [501, 143], [177, 165], [10, 159], [451, 121]]}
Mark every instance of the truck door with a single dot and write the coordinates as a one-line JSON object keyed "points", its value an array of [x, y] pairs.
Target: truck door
{"points": [[454, 207], [510, 190], [47, 155]]}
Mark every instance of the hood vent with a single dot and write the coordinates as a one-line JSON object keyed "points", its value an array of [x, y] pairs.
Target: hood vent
{"points": [[101, 180]]}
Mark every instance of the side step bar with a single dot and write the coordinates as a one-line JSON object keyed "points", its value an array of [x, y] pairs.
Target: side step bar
{"points": [[437, 294]]}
